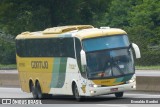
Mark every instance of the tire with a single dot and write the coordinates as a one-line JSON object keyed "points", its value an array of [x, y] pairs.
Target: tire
{"points": [[34, 92], [39, 91], [119, 95], [76, 93], [47, 96]]}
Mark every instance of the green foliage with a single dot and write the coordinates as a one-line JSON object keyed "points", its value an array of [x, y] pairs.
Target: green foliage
{"points": [[140, 18], [18, 16], [144, 21], [150, 67], [117, 14], [149, 58], [7, 49]]}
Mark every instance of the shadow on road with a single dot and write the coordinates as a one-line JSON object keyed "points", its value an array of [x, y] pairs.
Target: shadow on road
{"points": [[86, 100]]}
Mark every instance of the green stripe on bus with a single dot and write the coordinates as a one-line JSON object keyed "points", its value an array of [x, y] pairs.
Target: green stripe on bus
{"points": [[119, 80], [62, 72], [126, 78], [55, 72], [123, 79]]}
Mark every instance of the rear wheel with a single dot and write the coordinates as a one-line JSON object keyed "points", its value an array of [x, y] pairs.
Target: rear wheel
{"points": [[39, 91], [119, 94], [34, 92], [47, 96]]}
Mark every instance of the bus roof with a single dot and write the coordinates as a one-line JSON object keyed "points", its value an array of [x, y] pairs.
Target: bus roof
{"points": [[79, 31]]}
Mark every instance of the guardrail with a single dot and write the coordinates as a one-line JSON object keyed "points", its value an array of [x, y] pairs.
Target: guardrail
{"points": [[148, 83], [9, 80], [143, 83]]}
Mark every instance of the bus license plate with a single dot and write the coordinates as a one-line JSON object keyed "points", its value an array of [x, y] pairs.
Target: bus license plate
{"points": [[114, 89]]}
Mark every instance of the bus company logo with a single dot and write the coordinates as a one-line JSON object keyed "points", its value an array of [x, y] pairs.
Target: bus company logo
{"points": [[39, 64], [6, 101]]}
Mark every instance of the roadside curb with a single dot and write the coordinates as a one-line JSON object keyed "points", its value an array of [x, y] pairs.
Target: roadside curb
{"points": [[8, 68]]}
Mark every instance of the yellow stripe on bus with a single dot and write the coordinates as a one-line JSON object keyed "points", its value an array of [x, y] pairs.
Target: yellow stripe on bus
{"points": [[107, 82]]}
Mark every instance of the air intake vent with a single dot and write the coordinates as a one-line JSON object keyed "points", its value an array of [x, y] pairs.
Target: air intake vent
{"points": [[63, 29], [24, 33]]}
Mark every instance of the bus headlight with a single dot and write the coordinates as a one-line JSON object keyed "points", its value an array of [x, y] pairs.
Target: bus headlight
{"points": [[133, 79], [92, 92], [93, 85]]}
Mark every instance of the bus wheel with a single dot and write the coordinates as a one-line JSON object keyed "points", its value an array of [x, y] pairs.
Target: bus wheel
{"points": [[34, 92], [39, 91], [119, 94], [76, 93]]}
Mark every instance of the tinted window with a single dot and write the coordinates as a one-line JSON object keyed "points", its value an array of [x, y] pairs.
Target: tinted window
{"points": [[53, 47], [107, 42]]}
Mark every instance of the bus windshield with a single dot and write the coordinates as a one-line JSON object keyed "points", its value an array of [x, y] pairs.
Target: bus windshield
{"points": [[107, 42], [108, 56]]}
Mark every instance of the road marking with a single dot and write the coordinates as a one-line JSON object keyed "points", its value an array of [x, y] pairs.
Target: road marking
{"points": [[142, 94], [111, 105]]}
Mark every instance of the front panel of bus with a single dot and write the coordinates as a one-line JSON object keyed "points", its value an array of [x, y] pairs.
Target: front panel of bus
{"points": [[109, 62]]}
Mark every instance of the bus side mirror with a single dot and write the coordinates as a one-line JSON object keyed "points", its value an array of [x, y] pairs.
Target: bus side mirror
{"points": [[83, 57], [136, 50]]}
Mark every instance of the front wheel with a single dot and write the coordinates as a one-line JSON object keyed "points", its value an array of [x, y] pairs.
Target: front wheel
{"points": [[119, 94], [76, 93]]}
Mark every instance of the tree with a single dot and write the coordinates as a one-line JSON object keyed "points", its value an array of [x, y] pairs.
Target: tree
{"points": [[144, 29], [19, 16], [7, 48], [147, 16]]}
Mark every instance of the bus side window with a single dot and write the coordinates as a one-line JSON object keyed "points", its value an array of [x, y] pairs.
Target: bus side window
{"points": [[67, 47], [21, 48], [78, 50]]}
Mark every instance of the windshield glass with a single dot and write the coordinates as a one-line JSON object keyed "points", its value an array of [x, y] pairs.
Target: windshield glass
{"points": [[106, 42], [110, 60]]}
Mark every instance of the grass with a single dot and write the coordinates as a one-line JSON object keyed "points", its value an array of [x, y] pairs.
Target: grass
{"points": [[10, 66], [156, 67]]}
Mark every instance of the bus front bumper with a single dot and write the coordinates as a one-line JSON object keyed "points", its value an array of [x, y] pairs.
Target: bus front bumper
{"points": [[111, 89]]}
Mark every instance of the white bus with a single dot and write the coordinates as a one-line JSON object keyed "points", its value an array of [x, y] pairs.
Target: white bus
{"points": [[76, 60]]}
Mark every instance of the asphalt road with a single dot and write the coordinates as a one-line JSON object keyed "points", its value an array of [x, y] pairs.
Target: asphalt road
{"points": [[99, 101], [138, 72], [85, 105], [17, 93]]}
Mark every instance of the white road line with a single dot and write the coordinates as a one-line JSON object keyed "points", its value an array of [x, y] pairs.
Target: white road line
{"points": [[142, 94], [111, 105]]}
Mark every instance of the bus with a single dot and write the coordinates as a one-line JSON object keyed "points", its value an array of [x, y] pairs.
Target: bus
{"points": [[78, 60]]}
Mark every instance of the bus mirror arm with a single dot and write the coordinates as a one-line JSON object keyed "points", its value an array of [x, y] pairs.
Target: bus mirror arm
{"points": [[83, 58], [136, 50]]}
